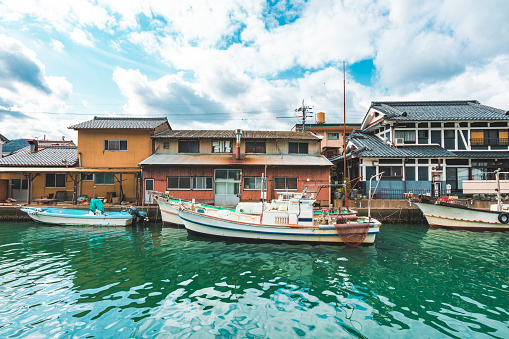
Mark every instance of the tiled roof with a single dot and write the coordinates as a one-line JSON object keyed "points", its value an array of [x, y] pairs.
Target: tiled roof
{"points": [[4, 139], [121, 123], [482, 154], [230, 134], [469, 110], [60, 156], [371, 146], [48, 143]]}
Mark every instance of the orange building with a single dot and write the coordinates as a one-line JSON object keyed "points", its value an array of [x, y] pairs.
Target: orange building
{"points": [[332, 135], [109, 153]]}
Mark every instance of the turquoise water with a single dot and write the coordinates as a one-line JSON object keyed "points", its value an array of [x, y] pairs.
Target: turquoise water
{"points": [[86, 282]]}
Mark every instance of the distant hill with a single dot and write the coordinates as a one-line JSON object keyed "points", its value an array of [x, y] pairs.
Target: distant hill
{"points": [[15, 145]]}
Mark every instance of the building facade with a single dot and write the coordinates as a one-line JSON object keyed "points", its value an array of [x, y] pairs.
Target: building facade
{"points": [[109, 152], [227, 166], [428, 146]]}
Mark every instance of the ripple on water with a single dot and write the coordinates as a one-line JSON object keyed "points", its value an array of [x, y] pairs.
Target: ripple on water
{"points": [[152, 281]]}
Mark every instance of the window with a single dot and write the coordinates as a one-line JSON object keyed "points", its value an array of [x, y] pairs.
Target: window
{"points": [[228, 175], [422, 174], [19, 184], [202, 183], [285, 184], [115, 145], [221, 146], [254, 183], [189, 146], [391, 171], [166, 145], [178, 183], [333, 136], [55, 180], [410, 173], [104, 178], [255, 146], [407, 136], [449, 139], [298, 147], [87, 177]]}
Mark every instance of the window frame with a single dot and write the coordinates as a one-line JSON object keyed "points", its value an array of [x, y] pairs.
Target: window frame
{"points": [[329, 134], [195, 180], [84, 176], [55, 180], [222, 147], [105, 176], [286, 184], [188, 142], [179, 184], [257, 184], [391, 170], [299, 143], [256, 148], [120, 143]]}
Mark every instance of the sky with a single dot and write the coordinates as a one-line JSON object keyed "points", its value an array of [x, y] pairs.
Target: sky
{"points": [[228, 64]]}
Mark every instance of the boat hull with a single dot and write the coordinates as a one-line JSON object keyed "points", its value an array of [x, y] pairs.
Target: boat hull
{"points": [[68, 217], [461, 218], [169, 213], [196, 222]]}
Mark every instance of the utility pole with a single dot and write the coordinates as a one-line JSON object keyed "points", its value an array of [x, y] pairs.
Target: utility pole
{"points": [[304, 109]]}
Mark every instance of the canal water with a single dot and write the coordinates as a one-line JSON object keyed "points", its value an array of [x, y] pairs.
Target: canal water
{"points": [[86, 282]]}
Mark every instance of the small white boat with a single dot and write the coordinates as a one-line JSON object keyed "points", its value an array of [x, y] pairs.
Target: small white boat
{"points": [[73, 217], [443, 214], [291, 222], [446, 213]]}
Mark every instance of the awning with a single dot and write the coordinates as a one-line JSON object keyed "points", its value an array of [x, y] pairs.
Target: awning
{"points": [[229, 159]]}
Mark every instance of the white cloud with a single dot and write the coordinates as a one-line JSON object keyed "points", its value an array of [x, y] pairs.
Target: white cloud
{"points": [[26, 92], [80, 37], [57, 45]]}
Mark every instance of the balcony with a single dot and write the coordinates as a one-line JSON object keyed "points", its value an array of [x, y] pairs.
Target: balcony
{"points": [[489, 142]]}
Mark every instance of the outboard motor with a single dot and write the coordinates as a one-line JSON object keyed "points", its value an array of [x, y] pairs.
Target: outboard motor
{"points": [[136, 215]]}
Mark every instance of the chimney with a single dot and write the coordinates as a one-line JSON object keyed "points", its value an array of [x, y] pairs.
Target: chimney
{"points": [[34, 146], [238, 134]]}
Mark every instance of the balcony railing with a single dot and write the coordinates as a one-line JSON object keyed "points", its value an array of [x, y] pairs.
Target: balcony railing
{"points": [[489, 142]]}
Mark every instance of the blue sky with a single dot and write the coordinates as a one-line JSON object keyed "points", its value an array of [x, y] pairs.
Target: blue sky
{"points": [[230, 64]]}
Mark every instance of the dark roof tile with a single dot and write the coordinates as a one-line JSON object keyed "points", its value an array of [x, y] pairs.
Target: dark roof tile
{"points": [[121, 123]]}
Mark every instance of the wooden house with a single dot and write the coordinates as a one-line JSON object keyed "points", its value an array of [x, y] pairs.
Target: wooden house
{"points": [[226, 166], [432, 146]]}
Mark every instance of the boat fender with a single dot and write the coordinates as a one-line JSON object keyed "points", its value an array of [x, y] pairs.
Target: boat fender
{"points": [[503, 218]]}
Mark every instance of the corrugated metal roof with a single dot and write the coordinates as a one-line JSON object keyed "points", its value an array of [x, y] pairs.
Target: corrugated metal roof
{"points": [[468, 110], [121, 123], [230, 134], [50, 156], [4, 139], [229, 159]]}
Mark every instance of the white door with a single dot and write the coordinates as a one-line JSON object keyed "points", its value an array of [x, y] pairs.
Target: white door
{"points": [[19, 189], [227, 187], [149, 187]]}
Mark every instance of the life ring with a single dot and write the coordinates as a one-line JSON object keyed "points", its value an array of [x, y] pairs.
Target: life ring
{"points": [[503, 218]]}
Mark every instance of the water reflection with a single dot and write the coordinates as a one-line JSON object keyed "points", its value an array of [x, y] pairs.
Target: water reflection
{"points": [[147, 281]]}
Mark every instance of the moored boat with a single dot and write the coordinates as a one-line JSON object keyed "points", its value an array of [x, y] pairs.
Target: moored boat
{"points": [[74, 217], [443, 214], [446, 213], [292, 222]]}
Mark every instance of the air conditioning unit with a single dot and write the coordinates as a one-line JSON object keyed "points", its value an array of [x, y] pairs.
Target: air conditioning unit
{"points": [[400, 141]]}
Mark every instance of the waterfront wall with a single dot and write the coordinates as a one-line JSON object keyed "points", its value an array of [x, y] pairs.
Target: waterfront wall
{"points": [[387, 211]]}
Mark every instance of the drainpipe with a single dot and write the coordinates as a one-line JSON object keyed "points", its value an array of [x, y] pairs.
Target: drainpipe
{"points": [[238, 134]]}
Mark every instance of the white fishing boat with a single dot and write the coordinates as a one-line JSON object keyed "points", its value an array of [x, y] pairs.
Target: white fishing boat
{"points": [[290, 222], [92, 217], [447, 213]]}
